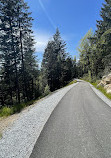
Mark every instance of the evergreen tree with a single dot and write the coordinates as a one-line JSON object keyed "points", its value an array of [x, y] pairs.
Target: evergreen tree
{"points": [[95, 51], [9, 47], [85, 53], [74, 70], [17, 47], [69, 70], [103, 38], [54, 62]]}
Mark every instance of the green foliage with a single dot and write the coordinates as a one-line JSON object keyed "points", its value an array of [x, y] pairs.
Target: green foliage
{"points": [[94, 80], [57, 66], [0, 135], [42, 82], [108, 95], [20, 79], [85, 55], [85, 77], [95, 83], [19, 107], [46, 90], [6, 111], [89, 76], [84, 43], [95, 50], [19, 67], [72, 82]]}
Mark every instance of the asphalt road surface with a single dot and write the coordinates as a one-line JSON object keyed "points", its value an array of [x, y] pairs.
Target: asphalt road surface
{"points": [[79, 127]]}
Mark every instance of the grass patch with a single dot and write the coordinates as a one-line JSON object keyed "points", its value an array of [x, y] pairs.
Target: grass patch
{"points": [[7, 111], [100, 88], [108, 95], [0, 135], [72, 82], [19, 107]]}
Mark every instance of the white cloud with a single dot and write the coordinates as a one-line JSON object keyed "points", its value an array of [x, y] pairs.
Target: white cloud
{"points": [[40, 46], [41, 39]]}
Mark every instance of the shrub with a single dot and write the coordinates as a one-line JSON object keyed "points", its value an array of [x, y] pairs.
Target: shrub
{"points": [[6, 111], [85, 77], [94, 79], [46, 90], [0, 135], [89, 76], [72, 82], [18, 107]]}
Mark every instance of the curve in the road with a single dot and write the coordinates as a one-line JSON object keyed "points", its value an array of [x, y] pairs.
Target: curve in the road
{"points": [[79, 127]]}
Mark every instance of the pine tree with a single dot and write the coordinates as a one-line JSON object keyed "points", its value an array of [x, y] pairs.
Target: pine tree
{"points": [[9, 46], [74, 68], [25, 37], [54, 61], [17, 47], [85, 53], [31, 71], [95, 51], [103, 37], [68, 70]]}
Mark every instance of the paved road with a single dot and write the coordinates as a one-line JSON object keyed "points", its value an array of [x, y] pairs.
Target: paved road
{"points": [[79, 127]]}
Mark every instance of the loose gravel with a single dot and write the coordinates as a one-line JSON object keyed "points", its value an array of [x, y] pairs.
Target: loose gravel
{"points": [[18, 140]]}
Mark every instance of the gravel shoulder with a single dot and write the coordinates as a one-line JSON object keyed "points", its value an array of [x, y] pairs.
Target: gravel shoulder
{"points": [[7, 122], [19, 139]]}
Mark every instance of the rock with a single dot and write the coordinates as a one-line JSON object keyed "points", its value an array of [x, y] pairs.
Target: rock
{"points": [[108, 88], [101, 84], [103, 77], [107, 80], [106, 83], [109, 75]]}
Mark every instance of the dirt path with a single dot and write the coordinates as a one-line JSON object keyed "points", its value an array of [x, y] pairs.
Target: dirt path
{"points": [[7, 122]]}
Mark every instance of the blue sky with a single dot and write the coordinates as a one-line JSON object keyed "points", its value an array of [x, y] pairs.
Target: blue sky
{"points": [[73, 18]]}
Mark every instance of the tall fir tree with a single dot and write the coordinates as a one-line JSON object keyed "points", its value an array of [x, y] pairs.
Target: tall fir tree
{"points": [[54, 62], [9, 47], [103, 38], [17, 46]]}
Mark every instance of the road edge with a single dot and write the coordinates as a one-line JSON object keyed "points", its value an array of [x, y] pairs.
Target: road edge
{"points": [[101, 95], [29, 128], [28, 155]]}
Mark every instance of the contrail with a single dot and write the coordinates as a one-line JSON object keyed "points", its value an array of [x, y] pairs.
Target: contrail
{"points": [[49, 18]]}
